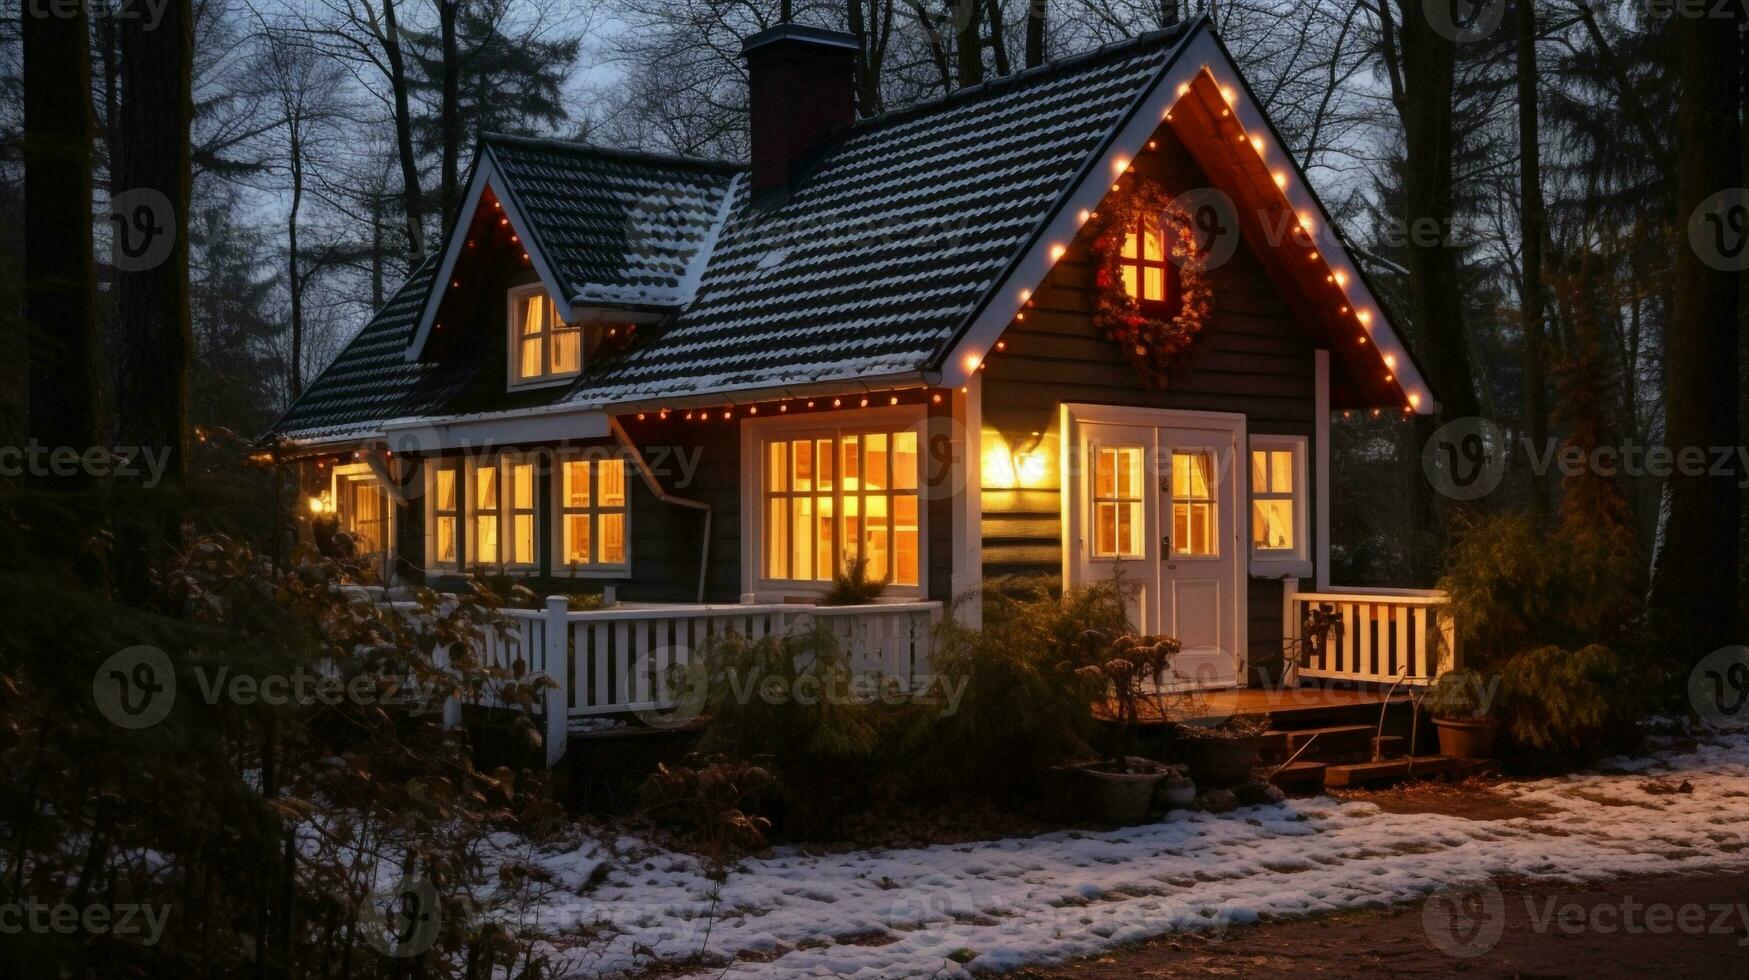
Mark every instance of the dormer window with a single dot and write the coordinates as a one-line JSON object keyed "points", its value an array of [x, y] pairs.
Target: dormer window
{"points": [[1147, 275], [543, 348]]}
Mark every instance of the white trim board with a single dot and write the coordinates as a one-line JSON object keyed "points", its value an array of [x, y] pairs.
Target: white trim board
{"points": [[1198, 54]]}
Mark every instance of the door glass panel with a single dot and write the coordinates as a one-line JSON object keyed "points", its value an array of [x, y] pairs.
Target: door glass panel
{"points": [[1193, 509], [1117, 507]]}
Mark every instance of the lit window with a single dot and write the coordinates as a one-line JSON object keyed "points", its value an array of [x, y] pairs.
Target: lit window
{"points": [[1278, 498], [1193, 504], [446, 485], [503, 514], [542, 347], [362, 508], [592, 513], [1146, 273], [839, 496], [1117, 502]]}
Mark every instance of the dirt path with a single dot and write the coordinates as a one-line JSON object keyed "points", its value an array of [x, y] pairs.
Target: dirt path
{"points": [[1637, 927]]}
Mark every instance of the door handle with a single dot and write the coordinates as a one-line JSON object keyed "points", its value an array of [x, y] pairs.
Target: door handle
{"points": [[1165, 547]]}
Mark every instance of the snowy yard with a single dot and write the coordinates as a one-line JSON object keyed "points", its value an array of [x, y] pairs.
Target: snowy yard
{"points": [[906, 913]]}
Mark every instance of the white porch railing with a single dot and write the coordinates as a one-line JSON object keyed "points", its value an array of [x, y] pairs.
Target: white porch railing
{"points": [[610, 661], [1381, 635]]}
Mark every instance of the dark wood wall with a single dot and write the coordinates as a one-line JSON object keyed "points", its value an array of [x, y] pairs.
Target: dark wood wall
{"points": [[1255, 358]]}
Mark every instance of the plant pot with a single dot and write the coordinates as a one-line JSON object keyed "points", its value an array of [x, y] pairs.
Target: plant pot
{"points": [[1175, 794], [1121, 797], [1467, 738], [1222, 761]]}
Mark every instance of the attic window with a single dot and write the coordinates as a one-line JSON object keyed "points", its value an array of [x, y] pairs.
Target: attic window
{"points": [[1147, 276], [542, 348]]}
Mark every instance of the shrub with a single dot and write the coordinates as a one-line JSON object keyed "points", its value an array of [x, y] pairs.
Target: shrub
{"points": [[853, 587], [1458, 695], [707, 804], [1561, 701]]}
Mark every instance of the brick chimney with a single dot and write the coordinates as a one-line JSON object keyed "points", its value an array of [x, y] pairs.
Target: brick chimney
{"points": [[801, 88]]}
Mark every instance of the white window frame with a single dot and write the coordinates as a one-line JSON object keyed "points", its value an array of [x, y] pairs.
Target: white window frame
{"points": [[351, 473], [459, 468], [756, 433], [505, 512], [515, 299], [1269, 563], [560, 511]]}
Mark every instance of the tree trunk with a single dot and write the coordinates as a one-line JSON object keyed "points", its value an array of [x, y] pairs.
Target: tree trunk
{"points": [[152, 296], [1533, 223], [1693, 599], [998, 40], [60, 302], [868, 59], [293, 274], [450, 111], [410, 193], [1035, 33], [970, 46]]}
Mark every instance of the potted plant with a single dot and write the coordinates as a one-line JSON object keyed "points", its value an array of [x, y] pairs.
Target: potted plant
{"points": [[1123, 785], [1223, 754], [1459, 708]]}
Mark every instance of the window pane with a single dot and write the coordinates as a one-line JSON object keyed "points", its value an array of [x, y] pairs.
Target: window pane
{"points": [[1192, 473], [534, 310], [486, 538], [1129, 530], [905, 539], [613, 482], [877, 537], [802, 458], [852, 530], [1105, 530], [1259, 472], [874, 461], [826, 558], [1153, 248], [577, 539], [779, 472], [1154, 284], [904, 460], [1272, 525], [1193, 529], [801, 560], [486, 487], [823, 458], [1129, 280], [522, 486], [777, 539], [445, 540], [1105, 473], [576, 493], [613, 539], [446, 489], [852, 467], [567, 350], [1129, 473], [522, 552], [529, 364], [1282, 469], [1129, 244]]}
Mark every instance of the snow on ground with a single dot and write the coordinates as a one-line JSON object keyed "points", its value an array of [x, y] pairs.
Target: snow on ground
{"points": [[1041, 900]]}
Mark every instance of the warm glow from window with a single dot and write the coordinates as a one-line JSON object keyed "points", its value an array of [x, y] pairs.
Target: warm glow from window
{"points": [[445, 516], [1142, 262], [1193, 504], [1117, 502], [1272, 500], [362, 507], [543, 347], [838, 496], [592, 513]]}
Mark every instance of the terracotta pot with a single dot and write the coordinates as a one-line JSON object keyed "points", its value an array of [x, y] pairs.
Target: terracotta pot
{"points": [[1467, 738], [1118, 797], [1222, 761]]}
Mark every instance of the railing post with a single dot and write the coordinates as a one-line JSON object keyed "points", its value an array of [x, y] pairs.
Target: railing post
{"points": [[558, 667], [1290, 588]]}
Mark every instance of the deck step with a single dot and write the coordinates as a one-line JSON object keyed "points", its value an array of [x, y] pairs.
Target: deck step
{"points": [[1334, 743], [1300, 777], [1366, 773]]}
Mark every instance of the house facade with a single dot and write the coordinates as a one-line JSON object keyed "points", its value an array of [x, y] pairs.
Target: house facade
{"points": [[954, 342]]}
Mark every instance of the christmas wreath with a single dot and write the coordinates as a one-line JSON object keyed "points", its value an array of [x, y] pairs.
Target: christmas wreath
{"points": [[1152, 342]]}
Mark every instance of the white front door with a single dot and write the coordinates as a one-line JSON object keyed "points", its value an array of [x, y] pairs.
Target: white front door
{"points": [[1152, 497]]}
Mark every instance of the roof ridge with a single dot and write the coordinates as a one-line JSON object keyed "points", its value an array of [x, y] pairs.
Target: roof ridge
{"points": [[640, 156], [1174, 33]]}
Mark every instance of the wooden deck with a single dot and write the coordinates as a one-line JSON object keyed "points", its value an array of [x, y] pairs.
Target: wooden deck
{"points": [[1274, 704]]}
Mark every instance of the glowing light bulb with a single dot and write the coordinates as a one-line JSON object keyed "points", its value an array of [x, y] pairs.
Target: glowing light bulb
{"points": [[1257, 143], [1280, 179]]}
